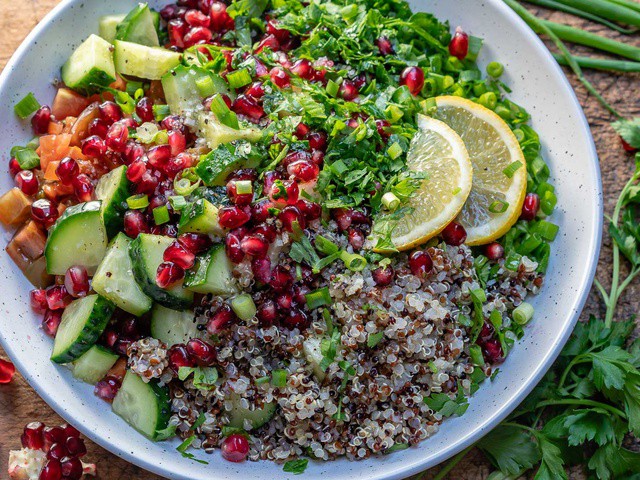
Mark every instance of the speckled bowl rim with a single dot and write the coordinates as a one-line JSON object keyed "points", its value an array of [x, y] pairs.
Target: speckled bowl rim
{"points": [[407, 468]]}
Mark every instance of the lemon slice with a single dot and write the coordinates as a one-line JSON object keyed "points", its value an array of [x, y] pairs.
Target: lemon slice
{"points": [[440, 152], [495, 202]]}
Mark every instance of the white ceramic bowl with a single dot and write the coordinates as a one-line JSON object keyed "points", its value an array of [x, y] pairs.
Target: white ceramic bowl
{"points": [[538, 84]]}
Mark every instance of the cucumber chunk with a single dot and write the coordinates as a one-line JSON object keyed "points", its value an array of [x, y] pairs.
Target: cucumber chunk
{"points": [[247, 418], [200, 216], [212, 274], [113, 190], [218, 134], [114, 279], [138, 27], [82, 324], [77, 238], [215, 167], [94, 364], [181, 90], [107, 26], [146, 254], [144, 406], [141, 61], [173, 326], [90, 67]]}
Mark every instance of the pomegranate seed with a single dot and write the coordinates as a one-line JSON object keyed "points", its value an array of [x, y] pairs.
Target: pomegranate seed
{"points": [[195, 242], [383, 276], [98, 127], [179, 255], [289, 216], [269, 41], [494, 251], [27, 182], [135, 223], [201, 352], [284, 300], [303, 171], [356, 238], [384, 46], [296, 156], [256, 91], [221, 21], [232, 217], [168, 12], [223, 316], [51, 470], [71, 431], [177, 29], [299, 292], [302, 130], [196, 18], [296, 319], [197, 35], [486, 333], [270, 178], [51, 322], [40, 120], [530, 207], [44, 212], [83, 188], [7, 371], [413, 78], [168, 274], [318, 141], [178, 357], [107, 388], [117, 137], [267, 313], [281, 279], [492, 351], [238, 199], [76, 281], [235, 448], [247, 106], [136, 170], [67, 170], [310, 210], [280, 78], [454, 234], [348, 91], [57, 451], [144, 109], [284, 192], [33, 436], [110, 112], [459, 46], [71, 468], [54, 435], [254, 245], [260, 210], [159, 155], [343, 218], [57, 297], [269, 232], [148, 182], [177, 142], [38, 300], [76, 447], [280, 33], [233, 248], [382, 127], [14, 167], [261, 268], [420, 263], [627, 147], [303, 69]]}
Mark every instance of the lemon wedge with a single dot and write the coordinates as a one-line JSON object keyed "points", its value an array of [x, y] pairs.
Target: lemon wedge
{"points": [[499, 169], [439, 152]]}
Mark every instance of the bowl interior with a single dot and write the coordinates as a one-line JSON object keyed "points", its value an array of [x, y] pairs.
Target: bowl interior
{"points": [[538, 84]]}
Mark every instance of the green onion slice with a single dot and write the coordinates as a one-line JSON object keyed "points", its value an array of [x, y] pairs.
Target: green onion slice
{"points": [[326, 246], [512, 169], [161, 215], [390, 201], [279, 378], [353, 261], [498, 206], [243, 306], [523, 313], [27, 158], [318, 298], [138, 202], [27, 106], [239, 78], [184, 187], [244, 187]]}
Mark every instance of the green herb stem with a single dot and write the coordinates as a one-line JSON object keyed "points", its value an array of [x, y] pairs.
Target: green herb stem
{"points": [[605, 9], [602, 64], [562, 7], [628, 3], [583, 403], [449, 466]]}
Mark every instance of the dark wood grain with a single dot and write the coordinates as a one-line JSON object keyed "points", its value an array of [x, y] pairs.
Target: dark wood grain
{"points": [[19, 404]]}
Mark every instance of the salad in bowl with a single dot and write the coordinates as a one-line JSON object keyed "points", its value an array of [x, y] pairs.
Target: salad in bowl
{"points": [[281, 229]]}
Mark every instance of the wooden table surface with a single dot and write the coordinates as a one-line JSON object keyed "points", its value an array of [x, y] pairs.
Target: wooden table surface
{"points": [[19, 404]]}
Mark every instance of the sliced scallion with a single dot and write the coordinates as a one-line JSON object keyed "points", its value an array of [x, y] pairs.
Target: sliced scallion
{"points": [[353, 261], [495, 69], [138, 202], [178, 202], [27, 106], [279, 378], [546, 230], [523, 313], [332, 88], [498, 206], [205, 86], [27, 158], [326, 246], [318, 298], [239, 78], [243, 306], [394, 151], [160, 112], [262, 380], [489, 100], [390, 201], [184, 187], [244, 187], [221, 110], [161, 215]]}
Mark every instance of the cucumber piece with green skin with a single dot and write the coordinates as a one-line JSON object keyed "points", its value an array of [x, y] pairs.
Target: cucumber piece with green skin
{"points": [[216, 134], [94, 364], [77, 238], [138, 27], [215, 167], [90, 67], [114, 279], [83, 321], [113, 190], [246, 418], [140, 61], [181, 90], [200, 216], [109, 23], [144, 406], [146, 254], [212, 274], [173, 326]]}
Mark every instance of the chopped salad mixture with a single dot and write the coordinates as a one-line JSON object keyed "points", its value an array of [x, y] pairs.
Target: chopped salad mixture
{"points": [[281, 229]]}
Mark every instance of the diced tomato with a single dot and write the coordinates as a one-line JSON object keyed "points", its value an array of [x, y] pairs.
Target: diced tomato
{"points": [[53, 147], [68, 104], [80, 128], [55, 128]]}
